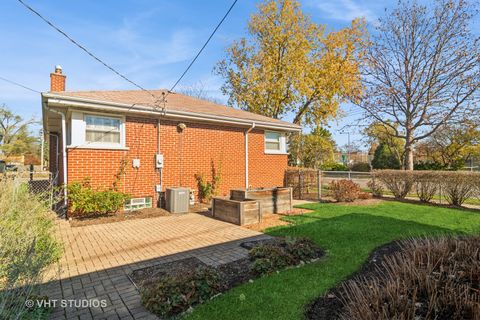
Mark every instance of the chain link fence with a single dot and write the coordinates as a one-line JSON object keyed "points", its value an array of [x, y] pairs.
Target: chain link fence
{"points": [[41, 183], [311, 184]]}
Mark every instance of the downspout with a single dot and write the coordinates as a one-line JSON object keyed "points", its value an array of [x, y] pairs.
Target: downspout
{"points": [[64, 154], [246, 154]]}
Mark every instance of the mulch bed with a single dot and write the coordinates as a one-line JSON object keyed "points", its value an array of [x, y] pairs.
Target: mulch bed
{"points": [[233, 273], [117, 217], [329, 306]]}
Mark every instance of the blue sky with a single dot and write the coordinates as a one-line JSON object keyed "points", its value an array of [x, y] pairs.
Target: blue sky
{"points": [[150, 41]]}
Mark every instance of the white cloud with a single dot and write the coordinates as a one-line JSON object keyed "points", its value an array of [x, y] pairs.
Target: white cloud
{"points": [[344, 10]]}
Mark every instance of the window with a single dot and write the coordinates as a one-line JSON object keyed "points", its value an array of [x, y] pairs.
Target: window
{"points": [[138, 203], [103, 130], [275, 142]]}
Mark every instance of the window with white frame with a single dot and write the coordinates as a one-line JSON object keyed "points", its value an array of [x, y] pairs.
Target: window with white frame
{"points": [[102, 130], [275, 142]]}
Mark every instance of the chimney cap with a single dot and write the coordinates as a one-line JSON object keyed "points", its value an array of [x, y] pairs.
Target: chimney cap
{"points": [[58, 69]]}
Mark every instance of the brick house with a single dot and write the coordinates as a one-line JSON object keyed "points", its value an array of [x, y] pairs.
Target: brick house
{"points": [[116, 136]]}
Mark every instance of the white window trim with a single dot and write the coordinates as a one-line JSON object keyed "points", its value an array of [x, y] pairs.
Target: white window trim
{"points": [[282, 141], [80, 131]]}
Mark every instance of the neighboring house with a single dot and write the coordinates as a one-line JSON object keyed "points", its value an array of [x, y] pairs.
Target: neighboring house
{"points": [[116, 135]]}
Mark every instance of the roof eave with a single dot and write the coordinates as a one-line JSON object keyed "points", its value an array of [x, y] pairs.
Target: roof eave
{"points": [[65, 101]]}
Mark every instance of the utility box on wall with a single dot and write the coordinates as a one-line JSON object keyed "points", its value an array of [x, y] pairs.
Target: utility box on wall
{"points": [[177, 199]]}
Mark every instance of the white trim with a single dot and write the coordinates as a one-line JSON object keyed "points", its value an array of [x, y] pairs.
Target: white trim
{"points": [[64, 158], [98, 147], [281, 140], [78, 132], [246, 155], [65, 101]]}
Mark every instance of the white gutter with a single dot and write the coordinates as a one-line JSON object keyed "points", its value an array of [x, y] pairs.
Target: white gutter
{"points": [[64, 155], [63, 101], [246, 154]]}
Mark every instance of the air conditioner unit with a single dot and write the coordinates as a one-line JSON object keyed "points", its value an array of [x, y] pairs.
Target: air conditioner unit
{"points": [[177, 199]]}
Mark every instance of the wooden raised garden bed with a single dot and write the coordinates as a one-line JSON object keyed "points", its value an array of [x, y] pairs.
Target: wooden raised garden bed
{"points": [[236, 212], [272, 200]]}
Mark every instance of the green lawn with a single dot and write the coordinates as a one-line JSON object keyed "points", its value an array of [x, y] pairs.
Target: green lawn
{"points": [[348, 234]]}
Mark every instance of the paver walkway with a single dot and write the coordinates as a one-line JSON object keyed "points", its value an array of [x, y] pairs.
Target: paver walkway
{"points": [[98, 259]]}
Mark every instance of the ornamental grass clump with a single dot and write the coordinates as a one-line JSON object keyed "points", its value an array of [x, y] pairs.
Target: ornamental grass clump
{"points": [[427, 279], [27, 248]]}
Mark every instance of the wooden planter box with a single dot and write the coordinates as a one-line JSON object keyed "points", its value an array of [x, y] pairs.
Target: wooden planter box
{"points": [[236, 212], [272, 200]]}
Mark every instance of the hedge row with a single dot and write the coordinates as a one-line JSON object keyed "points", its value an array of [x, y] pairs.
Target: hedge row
{"points": [[455, 186]]}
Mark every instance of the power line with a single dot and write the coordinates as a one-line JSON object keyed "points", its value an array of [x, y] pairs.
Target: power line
{"points": [[203, 47], [82, 47], [19, 84]]}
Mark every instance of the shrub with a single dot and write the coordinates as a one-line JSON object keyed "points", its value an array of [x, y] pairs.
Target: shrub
{"points": [[428, 165], [302, 249], [427, 279], [399, 182], [375, 187], [458, 186], [208, 189], [360, 167], [268, 258], [426, 184], [27, 247], [175, 294], [344, 190], [85, 201]]}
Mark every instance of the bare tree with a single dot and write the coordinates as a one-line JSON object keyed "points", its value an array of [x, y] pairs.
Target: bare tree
{"points": [[422, 70], [198, 90]]}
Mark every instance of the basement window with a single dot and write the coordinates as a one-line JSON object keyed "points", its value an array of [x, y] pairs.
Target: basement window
{"points": [[138, 203], [275, 142]]}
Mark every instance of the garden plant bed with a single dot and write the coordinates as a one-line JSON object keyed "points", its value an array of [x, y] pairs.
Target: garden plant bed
{"points": [[401, 279], [117, 217], [330, 306], [173, 288]]}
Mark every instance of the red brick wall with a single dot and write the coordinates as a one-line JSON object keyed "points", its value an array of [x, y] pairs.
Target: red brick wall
{"points": [[265, 170], [185, 154]]}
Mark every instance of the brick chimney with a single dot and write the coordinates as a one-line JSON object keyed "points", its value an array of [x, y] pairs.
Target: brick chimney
{"points": [[57, 80]]}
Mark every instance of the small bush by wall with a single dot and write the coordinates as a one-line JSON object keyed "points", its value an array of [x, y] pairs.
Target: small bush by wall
{"points": [[85, 200], [344, 190]]}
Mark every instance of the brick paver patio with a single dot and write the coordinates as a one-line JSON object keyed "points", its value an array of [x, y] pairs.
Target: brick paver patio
{"points": [[98, 259]]}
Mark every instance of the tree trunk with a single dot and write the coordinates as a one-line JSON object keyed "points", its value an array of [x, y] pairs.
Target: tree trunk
{"points": [[409, 158]]}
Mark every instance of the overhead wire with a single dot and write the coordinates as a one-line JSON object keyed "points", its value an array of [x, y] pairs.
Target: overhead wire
{"points": [[18, 84], [91, 54]]}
